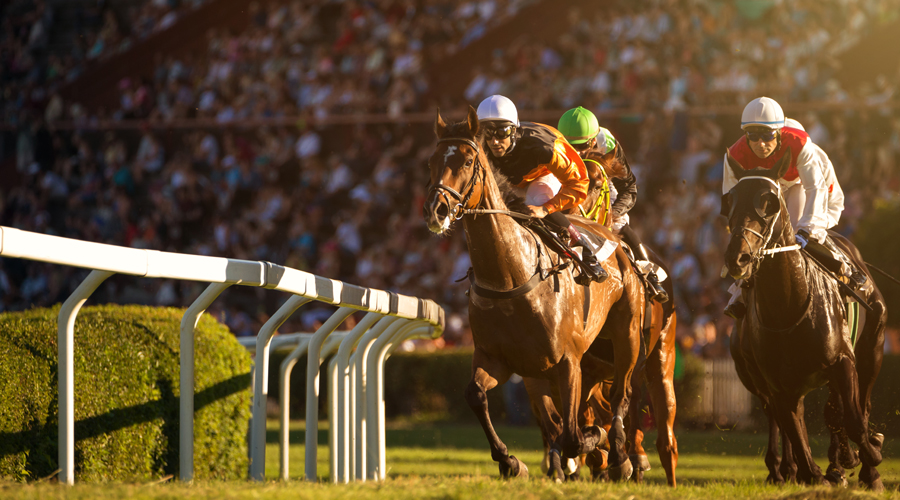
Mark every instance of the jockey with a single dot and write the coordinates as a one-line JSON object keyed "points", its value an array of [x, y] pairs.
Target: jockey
{"points": [[810, 188], [536, 157], [596, 144]]}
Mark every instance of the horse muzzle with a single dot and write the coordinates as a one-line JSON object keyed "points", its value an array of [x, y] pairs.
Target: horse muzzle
{"points": [[437, 215]]}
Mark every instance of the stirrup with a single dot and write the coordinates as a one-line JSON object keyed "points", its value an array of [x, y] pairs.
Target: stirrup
{"points": [[857, 279], [656, 290], [591, 270]]}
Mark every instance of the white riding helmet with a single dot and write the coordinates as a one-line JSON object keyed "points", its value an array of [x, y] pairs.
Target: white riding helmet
{"points": [[498, 108], [762, 112]]}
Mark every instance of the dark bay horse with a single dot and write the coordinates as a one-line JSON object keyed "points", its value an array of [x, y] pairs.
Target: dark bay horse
{"points": [[795, 336], [536, 327]]}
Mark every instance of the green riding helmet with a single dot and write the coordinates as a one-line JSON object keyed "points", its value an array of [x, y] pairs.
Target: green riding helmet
{"points": [[578, 125]]}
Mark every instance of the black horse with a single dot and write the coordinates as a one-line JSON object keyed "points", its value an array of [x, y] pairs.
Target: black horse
{"points": [[795, 336]]}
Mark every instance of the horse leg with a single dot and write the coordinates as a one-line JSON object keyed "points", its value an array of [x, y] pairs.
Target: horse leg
{"points": [[568, 380], [551, 425], [869, 355], [788, 464], [772, 459], [636, 453], [626, 348], [597, 410], [659, 374], [487, 373], [789, 412], [856, 423], [834, 420]]}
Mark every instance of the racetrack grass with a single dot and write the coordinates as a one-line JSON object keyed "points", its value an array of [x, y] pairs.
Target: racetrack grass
{"points": [[453, 461]]}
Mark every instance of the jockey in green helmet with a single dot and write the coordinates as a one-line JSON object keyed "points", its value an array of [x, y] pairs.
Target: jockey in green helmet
{"points": [[596, 144]]}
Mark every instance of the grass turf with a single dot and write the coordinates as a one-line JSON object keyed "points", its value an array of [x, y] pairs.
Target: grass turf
{"points": [[453, 461]]}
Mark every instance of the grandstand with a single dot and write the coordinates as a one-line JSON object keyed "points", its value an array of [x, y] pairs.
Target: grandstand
{"points": [[296, 131]]}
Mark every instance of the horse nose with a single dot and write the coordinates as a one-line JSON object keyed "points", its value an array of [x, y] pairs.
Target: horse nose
{"points": [[744, 259], [442, 211]]}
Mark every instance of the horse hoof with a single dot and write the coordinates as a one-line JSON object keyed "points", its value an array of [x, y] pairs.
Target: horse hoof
{"points": [[512, 467], [621, 472], [640, 462], [554, 468], [777, 480], [877, 440], [836, 478], [638, 476], [571, 467], [594, 437]]}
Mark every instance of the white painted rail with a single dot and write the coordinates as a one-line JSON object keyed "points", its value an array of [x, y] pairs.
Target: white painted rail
{"points": [[221, 273]]}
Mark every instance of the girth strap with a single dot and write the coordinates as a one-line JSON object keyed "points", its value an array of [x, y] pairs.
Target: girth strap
{"points": [[507, 294]]}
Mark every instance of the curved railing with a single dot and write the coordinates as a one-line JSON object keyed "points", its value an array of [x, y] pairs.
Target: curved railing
{"points": [[408, 317]]}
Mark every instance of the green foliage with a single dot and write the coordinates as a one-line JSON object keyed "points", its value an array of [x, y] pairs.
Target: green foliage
{"points": [[126, 395], [878, 242]]}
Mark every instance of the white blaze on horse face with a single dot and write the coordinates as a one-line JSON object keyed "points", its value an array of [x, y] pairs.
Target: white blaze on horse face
{"points": [[451, 150]]}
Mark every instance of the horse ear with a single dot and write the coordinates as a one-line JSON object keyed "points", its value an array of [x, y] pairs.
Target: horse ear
{"points": [[472, 120], [736, 168], [783, 164], [439, 124], [726, 205]]}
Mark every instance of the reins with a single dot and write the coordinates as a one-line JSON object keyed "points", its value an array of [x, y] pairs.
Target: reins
{"points": [[462, 209]]}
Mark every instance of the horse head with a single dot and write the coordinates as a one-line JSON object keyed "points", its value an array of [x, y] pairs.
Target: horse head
{"points": [[752, 209], [457, 172]]}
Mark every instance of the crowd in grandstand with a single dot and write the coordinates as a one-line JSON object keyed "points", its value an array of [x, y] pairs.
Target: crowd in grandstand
{"points": [[323, 199]]}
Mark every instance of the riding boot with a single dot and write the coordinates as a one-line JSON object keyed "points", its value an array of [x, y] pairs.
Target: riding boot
{"points": [[736, 308], [592, 265], [834, 259]]}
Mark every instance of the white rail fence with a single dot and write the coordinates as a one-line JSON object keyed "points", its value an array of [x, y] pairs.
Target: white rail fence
{"points": [[357, 395]]}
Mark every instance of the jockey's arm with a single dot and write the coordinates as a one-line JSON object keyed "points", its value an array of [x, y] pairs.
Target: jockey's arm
{"points": [[824, 198], [567, 166], [626, 187]]}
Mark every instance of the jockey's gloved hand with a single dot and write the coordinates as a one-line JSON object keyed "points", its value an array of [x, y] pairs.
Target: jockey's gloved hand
{"points": [[802, 238]]}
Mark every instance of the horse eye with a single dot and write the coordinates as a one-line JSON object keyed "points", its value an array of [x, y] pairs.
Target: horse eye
{"points": [[469, 162]]}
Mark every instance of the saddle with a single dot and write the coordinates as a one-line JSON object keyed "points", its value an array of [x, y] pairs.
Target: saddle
{"points": [[602, 247]]}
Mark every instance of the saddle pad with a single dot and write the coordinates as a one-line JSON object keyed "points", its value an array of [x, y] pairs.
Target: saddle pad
{"points": [[853, 322], [602, 247]]}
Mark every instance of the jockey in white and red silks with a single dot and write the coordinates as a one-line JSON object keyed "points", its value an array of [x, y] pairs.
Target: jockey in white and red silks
{"points": [[810, 188]]}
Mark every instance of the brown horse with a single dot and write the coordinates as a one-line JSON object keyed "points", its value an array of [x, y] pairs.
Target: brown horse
{"points": [[657, 369], [795, 336], [527, 314]]}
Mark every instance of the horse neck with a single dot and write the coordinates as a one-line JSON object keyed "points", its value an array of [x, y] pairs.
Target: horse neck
{"points": [[782, 289], [503, 254]]}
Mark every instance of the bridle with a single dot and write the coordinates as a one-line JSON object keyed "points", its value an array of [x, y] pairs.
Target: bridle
{"points": [[765, 249], [462, 201]]}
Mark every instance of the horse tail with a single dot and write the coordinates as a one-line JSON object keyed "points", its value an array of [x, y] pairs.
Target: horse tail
{"points": [[888, 276]]}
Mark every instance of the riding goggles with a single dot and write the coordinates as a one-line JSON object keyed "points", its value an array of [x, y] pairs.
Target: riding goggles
{"points": [[766, 135], [501, 132]]}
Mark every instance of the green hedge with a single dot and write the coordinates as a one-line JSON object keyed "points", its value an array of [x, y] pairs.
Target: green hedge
{"points": [[877, 240], [126, 395]]}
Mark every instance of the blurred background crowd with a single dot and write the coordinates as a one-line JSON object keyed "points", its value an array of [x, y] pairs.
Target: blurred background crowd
{"points": [[169, 164]]}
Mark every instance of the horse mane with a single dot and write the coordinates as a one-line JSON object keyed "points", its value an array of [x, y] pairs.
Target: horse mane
{"points": [[514, 202]]}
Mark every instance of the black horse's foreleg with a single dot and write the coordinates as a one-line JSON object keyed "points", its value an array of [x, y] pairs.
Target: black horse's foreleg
{"points": [[856, 422], [838, 447], [789, 412], [476, 395]]}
